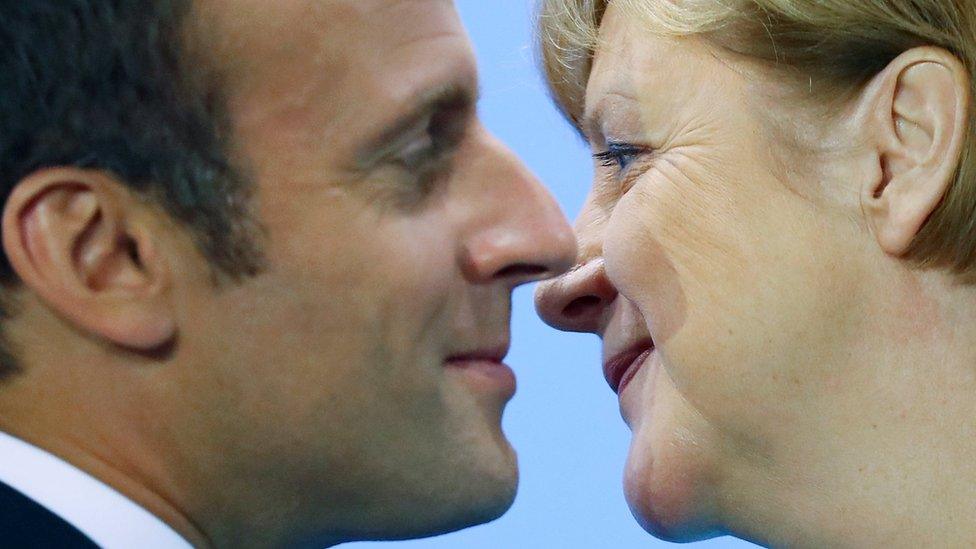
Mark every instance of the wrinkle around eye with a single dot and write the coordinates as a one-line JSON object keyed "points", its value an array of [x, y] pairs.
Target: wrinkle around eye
{"points": [[612, 186]]}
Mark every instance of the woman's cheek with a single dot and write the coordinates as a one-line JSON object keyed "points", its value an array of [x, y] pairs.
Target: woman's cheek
{"points": [[641, 268], [673, 247]]}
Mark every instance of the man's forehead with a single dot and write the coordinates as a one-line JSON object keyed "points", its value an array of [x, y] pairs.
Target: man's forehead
{"points": [[291, 40], [332, 71], [237, 15], [236, 29]]}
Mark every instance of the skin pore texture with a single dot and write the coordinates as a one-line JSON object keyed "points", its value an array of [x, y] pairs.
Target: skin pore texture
{"points": [[314, 403], [808, 388]]}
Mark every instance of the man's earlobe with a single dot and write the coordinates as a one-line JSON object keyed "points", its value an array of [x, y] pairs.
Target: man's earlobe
{"points": [[918, 110], [76, 239]]}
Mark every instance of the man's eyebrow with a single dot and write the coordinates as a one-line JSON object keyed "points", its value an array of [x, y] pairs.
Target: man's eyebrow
{"points": [[455, 96]]}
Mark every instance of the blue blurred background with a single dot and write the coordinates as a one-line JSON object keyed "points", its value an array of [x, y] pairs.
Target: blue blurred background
{"points": [[564, 421]]}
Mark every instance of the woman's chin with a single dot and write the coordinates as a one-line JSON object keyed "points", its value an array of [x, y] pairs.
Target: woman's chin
{"points": [[666, 478], [666, 503]]}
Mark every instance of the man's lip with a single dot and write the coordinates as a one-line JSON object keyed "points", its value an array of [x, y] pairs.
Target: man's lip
{"points": [[487, 354], [485, 369], [620, 369]]}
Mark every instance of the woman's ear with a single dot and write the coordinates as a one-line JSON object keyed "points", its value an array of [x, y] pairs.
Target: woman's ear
{"points": [[917, 113], [84, 244]]}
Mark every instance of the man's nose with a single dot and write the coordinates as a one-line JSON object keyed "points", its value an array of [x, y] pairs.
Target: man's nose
{"points": [[527, 237], [580, 300]]}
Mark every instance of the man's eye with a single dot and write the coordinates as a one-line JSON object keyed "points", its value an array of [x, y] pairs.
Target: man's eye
{"points": [[424, 163], [432, 147], [415, 155], [619, 156]]}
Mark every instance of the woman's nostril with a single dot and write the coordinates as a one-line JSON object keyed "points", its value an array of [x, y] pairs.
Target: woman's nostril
{"points": [[580, 306]]}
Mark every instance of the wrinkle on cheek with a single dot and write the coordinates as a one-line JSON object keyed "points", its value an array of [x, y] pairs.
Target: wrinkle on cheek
{"points": [[696, 218], [642, 270], [673, 235]]}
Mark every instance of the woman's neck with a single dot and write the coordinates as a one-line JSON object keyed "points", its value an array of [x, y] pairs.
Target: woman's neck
{"points": [[888, 463]]}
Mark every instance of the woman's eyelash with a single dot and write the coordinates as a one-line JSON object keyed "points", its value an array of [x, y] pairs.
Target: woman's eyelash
{"points": [[619, 155]]}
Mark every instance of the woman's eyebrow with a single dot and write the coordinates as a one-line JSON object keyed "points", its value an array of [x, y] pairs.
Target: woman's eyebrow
{"points": [[594, 117], [591, 125]]}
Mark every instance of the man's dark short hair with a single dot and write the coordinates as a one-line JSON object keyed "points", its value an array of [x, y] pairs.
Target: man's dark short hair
{"points": [[114, 85]]}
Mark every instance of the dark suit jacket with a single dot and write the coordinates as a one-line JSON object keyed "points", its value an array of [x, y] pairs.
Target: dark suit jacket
{"points": [[26, 524]]}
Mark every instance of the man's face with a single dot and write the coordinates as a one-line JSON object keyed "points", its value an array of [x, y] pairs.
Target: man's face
{"points": [[354, 385]]}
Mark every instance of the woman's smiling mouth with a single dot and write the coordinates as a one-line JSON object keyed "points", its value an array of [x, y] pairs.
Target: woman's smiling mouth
{"points": [[622, 367]]}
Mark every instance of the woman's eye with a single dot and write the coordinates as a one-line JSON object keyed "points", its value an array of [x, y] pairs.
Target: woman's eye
{"points": [[619, 156]]}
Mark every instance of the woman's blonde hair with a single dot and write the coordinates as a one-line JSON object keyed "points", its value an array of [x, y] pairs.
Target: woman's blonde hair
{"points": [[832, 48]]}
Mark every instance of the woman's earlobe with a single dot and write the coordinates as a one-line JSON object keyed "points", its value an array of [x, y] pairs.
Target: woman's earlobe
{"points": [[76, 239], [919, 122]]}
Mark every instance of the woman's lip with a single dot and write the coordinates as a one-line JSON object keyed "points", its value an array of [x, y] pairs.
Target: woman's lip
{"points": [[622, 368]]}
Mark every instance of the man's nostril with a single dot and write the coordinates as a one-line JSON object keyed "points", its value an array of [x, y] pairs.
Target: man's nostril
{"points": [[522, 270], [580, 306]]}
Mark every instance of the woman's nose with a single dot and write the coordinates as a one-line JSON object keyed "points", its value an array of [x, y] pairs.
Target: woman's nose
{"points": [[578, 301]]}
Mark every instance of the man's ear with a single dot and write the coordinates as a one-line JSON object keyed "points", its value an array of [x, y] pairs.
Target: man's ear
{"points": [[917, 113], [84, 244]]}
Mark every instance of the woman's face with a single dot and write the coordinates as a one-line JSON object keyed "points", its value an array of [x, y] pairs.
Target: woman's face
{"points": [[741, 258]]}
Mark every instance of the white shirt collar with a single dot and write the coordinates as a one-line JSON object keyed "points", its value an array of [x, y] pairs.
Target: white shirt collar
{"points": [[110, 519]]}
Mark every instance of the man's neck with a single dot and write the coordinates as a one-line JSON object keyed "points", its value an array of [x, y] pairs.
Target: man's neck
{"points": [[128, 475], [141, 492]]}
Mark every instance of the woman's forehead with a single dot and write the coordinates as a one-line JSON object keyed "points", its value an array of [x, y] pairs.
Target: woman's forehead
{"points": [[574, 33], [569, 31]]}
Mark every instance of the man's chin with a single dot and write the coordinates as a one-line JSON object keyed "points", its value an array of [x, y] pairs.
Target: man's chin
{"points": [[474, 496], [492, 494], [485, 511], [476, 511]]}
